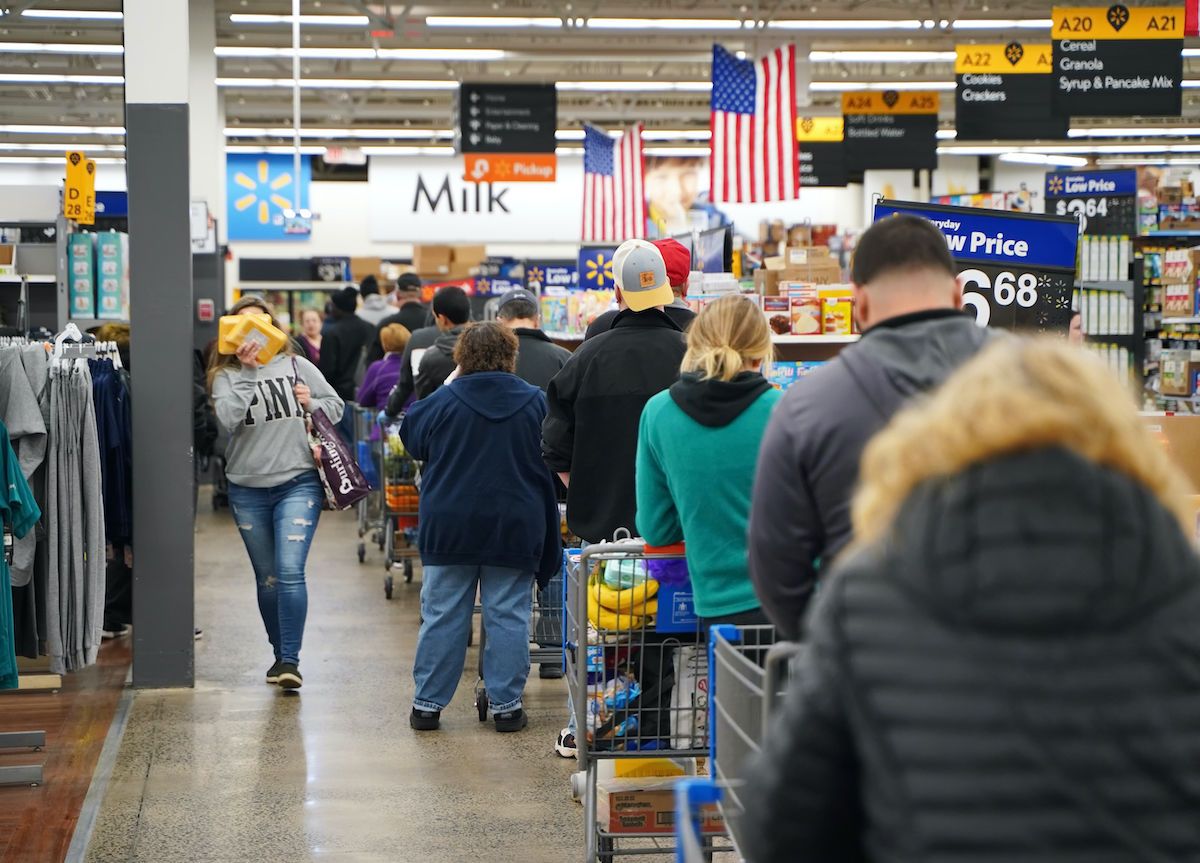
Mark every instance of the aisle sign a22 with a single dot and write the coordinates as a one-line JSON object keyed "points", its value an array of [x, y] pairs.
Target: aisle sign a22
{"points": [[1104, 202], [1017, 269]]}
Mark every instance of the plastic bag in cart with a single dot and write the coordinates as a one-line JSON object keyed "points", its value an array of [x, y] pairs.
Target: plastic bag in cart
{"points": [[618, 695]]}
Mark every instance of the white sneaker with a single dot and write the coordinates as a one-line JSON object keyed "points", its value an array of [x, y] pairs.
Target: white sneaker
{"points": [[565, 745], [109, 634]]}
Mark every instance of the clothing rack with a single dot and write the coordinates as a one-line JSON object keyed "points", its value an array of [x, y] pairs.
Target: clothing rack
{"points": [[21, 774]]}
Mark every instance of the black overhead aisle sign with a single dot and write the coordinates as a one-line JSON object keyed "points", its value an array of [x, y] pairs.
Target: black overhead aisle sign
{"points": [[1004, 93], [1118, 61], [890, 130], [822, 159], [508, 118]]}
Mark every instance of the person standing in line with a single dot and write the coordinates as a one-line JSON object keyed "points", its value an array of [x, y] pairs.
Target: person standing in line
{"points": [[595, 403], [311, 322], [539, 359], [908, 304], [488, 523], [679, 269], [714, 415], [382, 375], [343, 350], [451, 312], [375, 306], [1006, 664], [412, 314], [275, 493]]}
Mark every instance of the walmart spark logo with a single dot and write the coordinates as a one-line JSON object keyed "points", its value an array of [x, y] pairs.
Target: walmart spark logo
{"points": [[262, 189], [1055, 184], [598, 269]]}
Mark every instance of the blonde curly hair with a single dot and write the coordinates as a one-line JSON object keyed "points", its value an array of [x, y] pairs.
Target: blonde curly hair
{"points": [[1017, 395]]}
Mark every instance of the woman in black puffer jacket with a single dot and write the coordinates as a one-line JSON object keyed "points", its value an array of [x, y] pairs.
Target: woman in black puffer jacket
{"points": [[1007, 665]]}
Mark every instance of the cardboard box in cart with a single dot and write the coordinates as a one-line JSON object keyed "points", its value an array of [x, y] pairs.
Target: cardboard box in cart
{"points": [[635, 806]]}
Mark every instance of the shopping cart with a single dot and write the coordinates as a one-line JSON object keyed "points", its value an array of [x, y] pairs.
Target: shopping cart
{"points": [[368, 455], [401, 479], [748, 674], [633, 660]]}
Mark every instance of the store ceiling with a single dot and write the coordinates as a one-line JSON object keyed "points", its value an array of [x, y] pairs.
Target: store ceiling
{"points": [[61, 64]]}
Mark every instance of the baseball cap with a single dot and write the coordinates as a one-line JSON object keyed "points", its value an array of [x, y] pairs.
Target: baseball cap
{"points": [[641, 274], [678, 259], [516, 294], [408, 282]]}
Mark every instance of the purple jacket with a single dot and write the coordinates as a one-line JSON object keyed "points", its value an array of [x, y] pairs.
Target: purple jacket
{"points": [[380, 380]]}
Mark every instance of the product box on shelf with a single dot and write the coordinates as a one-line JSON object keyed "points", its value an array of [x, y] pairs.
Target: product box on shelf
{"points": [[8, 259], [81, 275], [112, 277], [806, 311], [1176, 371], [360, 268], [781, 374], [837, 310], [779, 314], [432, 261], [466, 260], [645, 806], [555, 310]]}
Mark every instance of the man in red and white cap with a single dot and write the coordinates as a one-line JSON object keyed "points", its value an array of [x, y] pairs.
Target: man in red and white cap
{"points": [[678, 261]]}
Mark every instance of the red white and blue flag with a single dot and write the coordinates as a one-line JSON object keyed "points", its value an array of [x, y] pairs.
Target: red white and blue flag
{"points": [[614, 196], [754, 155]]}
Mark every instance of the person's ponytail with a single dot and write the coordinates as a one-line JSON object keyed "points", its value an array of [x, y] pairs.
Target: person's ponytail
{"points": [[728, 336]]}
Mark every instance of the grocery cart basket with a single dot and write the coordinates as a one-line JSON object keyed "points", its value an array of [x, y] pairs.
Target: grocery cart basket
{"points": [[366, 453], [635, 670], [748, 674], [401, 480]]}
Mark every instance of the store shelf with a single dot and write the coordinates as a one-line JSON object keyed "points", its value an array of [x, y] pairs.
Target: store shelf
{"points": [[33, 280], [88, 323], [1172, 234], [1124, 286], [814, 340], [1180, 321]]}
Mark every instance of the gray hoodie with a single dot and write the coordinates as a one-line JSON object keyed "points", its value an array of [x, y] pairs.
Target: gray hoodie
{"points": [[808, 464], [268, 443], [375, 308]]}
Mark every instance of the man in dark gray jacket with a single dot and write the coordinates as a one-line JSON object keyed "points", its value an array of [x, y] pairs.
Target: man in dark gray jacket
{"points": [[538, 359], [908, 304]]}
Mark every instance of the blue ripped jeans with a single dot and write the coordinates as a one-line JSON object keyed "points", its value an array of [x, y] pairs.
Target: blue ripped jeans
{"points": [[277, 526]]}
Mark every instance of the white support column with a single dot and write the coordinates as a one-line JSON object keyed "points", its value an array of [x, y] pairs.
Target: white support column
{"points": [[156, 124], [206, 121]]}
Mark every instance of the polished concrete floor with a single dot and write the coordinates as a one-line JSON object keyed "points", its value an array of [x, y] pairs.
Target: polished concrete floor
{"points": [[235, 770]]}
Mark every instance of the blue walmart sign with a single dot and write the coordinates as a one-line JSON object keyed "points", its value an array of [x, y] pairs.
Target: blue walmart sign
{"points": [[596, 268], [1082, 184], [258, 188]]}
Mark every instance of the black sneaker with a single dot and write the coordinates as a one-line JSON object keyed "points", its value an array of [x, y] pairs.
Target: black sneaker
{"points": [[289, 676], [425, 720], [550, 671], [512, 720], [273, 672]]}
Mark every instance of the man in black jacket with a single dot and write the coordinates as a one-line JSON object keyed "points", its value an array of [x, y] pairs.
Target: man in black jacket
{"points": [[412, 313], [908, 304], [539, 359], [343, 349], [590, 434], [678, 259], [451, 312]]}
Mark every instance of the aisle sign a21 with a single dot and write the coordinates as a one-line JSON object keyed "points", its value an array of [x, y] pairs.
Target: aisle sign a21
{"points": [[1104, 202], [1017, 269]]}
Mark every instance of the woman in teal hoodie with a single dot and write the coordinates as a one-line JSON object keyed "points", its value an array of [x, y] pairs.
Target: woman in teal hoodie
{"points": [[697, 448]]}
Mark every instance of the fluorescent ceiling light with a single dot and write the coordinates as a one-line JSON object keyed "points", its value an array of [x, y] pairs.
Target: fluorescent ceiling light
{"points": [[1135, 132], [845, 24], [676, 151], [488, 21], [847, 86], [1142, 160], [946, 134], [366, 132], [637, 86], [408, 151], [676, 134], [313, 20], [90, 149], [58, 48], [1002, 24], [569, 135], [54, 160], [73, 14], [664, 24], [304, 151], [881, 56], [44, 78], [339, 83], [433, 54], [1044, 159], [27, 129]]}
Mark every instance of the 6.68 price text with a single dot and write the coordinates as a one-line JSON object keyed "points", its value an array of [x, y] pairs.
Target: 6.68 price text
{"points": [[1006, 288]]}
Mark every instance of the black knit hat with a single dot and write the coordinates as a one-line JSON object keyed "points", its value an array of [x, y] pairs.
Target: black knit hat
{"points": [[409, 282], [368, 286], [345, 300]]}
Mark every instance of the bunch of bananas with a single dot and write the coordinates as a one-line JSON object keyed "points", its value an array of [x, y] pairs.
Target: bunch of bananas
{"points": [[610, 609]]}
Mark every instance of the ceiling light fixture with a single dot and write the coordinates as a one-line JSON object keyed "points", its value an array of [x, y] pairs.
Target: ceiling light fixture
{"points": [[33, 129], [338, 84], [1044, 159], [54, 160], [1140, 132], [488, 21], [59, 48], [1002, 24], [91, 149], [845, 24], [881, 56], [74, 14], [307, 20], [433, 54], [847, 86], [664, 24], [44, 78], [946, 134], [637, 86], [363, 132]]}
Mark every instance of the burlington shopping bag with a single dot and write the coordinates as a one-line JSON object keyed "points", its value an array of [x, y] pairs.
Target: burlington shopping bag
{"points": [[344, 482]]}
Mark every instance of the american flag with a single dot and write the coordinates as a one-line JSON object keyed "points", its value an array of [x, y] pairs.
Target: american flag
{"points": [[614, 199], [754, 154]]}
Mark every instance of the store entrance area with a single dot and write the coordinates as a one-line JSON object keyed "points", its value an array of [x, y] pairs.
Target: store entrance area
{"points": [[235, 770]]}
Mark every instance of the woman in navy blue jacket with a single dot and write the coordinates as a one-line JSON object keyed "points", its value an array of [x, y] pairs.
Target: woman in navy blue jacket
{"points": [[488, 518]]}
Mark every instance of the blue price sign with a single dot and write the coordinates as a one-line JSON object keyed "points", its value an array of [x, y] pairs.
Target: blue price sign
{"points": [[1104, 202], [1017, 269]]}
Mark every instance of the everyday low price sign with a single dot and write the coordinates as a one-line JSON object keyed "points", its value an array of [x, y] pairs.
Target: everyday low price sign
{"points": [[1104, 202], [1118, 61], [1017, 269]]}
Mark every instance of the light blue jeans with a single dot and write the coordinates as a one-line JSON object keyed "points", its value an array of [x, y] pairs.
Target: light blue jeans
{"points": [[277, 526], [447, 602]]}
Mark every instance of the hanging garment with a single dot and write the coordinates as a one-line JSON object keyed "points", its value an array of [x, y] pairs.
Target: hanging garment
{"points": [[29, 601], [114, 427], [19, 513], [22, 415]]}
